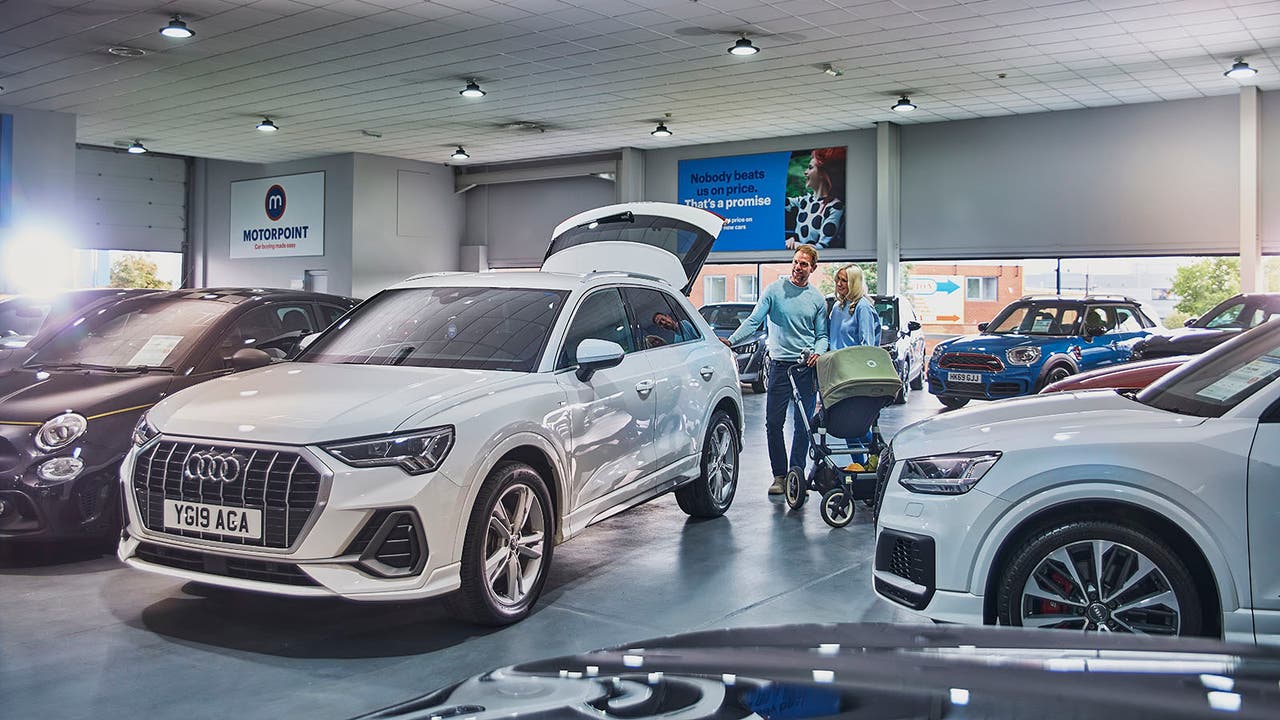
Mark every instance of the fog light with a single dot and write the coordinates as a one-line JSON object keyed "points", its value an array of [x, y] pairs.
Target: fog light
{"points": [[4, 507], [60, 469]]}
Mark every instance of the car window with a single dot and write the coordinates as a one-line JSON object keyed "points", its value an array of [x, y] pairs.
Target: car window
{"points": [[657, 323], [888, 314], [1127, 320], [20, 317], [1255, 316], [329, 314], [601, 316], [268, 328], [687, 330], [1099, 320], [1227, 317]]}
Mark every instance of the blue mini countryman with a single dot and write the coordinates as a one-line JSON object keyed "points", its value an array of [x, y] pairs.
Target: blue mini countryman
{"points": [[1033, 342]]}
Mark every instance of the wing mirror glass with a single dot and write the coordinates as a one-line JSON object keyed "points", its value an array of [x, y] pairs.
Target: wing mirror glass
{"points": [[594, 354], [307, 340], [982, 327], [1190, 322], [249, 358], [913, 326]]}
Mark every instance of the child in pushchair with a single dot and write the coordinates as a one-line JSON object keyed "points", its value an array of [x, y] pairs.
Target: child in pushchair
{"points": [[854, 384]]}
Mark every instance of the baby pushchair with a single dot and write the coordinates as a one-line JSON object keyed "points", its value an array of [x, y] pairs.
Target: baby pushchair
{"points": [[854, 384]]}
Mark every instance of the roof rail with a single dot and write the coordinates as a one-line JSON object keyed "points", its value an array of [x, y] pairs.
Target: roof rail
{"points": [[438, 273], [1121, 298], [1042, 296], [623, 273]]}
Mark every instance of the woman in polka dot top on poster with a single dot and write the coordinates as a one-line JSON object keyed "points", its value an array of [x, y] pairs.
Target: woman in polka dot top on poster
{"points": [[819, 215]]}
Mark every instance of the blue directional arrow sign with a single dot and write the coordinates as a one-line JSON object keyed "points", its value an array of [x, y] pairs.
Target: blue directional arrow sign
{"points": [[946, 286]]}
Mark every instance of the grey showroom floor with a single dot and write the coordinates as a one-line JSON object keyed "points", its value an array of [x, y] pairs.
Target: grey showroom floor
{"points": [[82, 636]]}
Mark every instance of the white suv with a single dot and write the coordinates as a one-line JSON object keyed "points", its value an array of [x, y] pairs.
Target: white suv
{"points": [[447, 433], [1098, 511]]}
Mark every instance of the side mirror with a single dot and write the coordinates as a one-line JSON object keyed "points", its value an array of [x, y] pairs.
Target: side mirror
{"points": [[307, 340], [596, 355], [913, 326], [982, 327], [1190, 321], [249, 358]]}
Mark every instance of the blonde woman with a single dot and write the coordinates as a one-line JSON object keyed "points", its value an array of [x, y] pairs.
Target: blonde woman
{"points": [[854, 320]]}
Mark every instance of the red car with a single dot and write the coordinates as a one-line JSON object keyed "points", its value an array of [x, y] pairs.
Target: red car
{"points": [[1126, 376]]}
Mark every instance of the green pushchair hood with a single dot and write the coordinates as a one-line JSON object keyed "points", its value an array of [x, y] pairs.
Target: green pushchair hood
{"points": [[862, 371]]}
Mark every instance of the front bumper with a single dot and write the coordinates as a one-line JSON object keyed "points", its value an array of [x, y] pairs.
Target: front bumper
{"points": [[33, 510], [1010, 382], [927, 549], [373, 533]]}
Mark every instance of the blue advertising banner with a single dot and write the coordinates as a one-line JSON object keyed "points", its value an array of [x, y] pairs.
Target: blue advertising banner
{"points": [[771, 201]]}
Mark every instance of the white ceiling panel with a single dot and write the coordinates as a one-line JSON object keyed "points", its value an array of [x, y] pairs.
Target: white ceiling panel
{"points": [[597, 74]]}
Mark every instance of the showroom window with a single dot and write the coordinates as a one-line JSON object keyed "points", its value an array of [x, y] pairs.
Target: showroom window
{"points": [[746, 289], [980, 288], [713, 289]]}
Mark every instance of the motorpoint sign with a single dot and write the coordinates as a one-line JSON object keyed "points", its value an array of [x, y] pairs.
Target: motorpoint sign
{"points": [[278, 216]]}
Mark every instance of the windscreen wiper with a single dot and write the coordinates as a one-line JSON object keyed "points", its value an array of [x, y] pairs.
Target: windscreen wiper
{"points": [[100, 367]]}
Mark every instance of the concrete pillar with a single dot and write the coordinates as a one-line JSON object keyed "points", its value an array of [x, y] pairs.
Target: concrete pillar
{"points": [[630, 180], [888, 208], [1251, 279]]}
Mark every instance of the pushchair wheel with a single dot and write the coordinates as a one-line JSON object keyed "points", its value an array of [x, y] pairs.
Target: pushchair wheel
{"points": [[837, 508], [795, 488]]}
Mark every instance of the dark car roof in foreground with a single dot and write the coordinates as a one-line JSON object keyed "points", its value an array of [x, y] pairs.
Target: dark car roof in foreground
{"points": [[877, 671], [240, 294]]}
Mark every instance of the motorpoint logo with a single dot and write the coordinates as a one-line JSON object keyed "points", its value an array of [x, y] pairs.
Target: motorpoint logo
{"points": [[274, 203]]}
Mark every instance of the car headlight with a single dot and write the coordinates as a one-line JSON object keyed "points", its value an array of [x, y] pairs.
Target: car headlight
{"points": [[61, 431], [747, 349], [60, 469], [417, 452], [1022, 355], [946, 474], [144, 431]]}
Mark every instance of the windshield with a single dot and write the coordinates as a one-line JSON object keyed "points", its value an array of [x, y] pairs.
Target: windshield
{"points": [[725, 317], [452, 327], [1036, 319], [1238, 314], [147, 332], [1214, 383]]}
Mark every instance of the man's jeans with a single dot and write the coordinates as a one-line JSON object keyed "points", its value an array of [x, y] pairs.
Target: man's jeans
{"points": [[775, 413]]}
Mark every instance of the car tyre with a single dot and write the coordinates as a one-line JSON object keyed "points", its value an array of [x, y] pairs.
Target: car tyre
{"points": [[918, 382], [496, 587], [952, 402], [1144, 586], [904, 393], [712, 493], [1056, 373], [757, 386]]}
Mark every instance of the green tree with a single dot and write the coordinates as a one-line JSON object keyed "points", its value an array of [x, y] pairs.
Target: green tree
{"points": [[135, 271], [1203, 284]]}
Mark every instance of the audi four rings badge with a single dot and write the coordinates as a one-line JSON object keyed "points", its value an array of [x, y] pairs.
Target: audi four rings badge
{"points": [[208, 466]]}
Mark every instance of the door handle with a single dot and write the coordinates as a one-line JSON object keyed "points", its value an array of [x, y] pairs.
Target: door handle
{"points": [[707, 372], [644, 387]]}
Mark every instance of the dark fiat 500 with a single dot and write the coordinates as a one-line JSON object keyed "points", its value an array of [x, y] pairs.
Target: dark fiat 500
{"points": [[67, 413]]}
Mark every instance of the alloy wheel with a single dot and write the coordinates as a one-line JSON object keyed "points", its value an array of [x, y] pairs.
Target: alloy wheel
{"points": [[1102, 586], [513, 545], [721, 470]]}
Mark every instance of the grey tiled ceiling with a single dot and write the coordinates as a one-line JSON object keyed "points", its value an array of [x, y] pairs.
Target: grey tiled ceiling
{"points": [[597, 75]]}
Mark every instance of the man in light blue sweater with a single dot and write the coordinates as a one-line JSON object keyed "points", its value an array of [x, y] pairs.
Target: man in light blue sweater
{"points": [[797, 316]]}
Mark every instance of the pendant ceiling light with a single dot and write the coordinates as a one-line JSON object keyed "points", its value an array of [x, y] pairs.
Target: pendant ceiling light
{"points": [[136, 148], [662, 131], [1240, 70], [177, 29], [459, 154], [904, 105], [743, 47], [472, 90], [267, 126]]}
